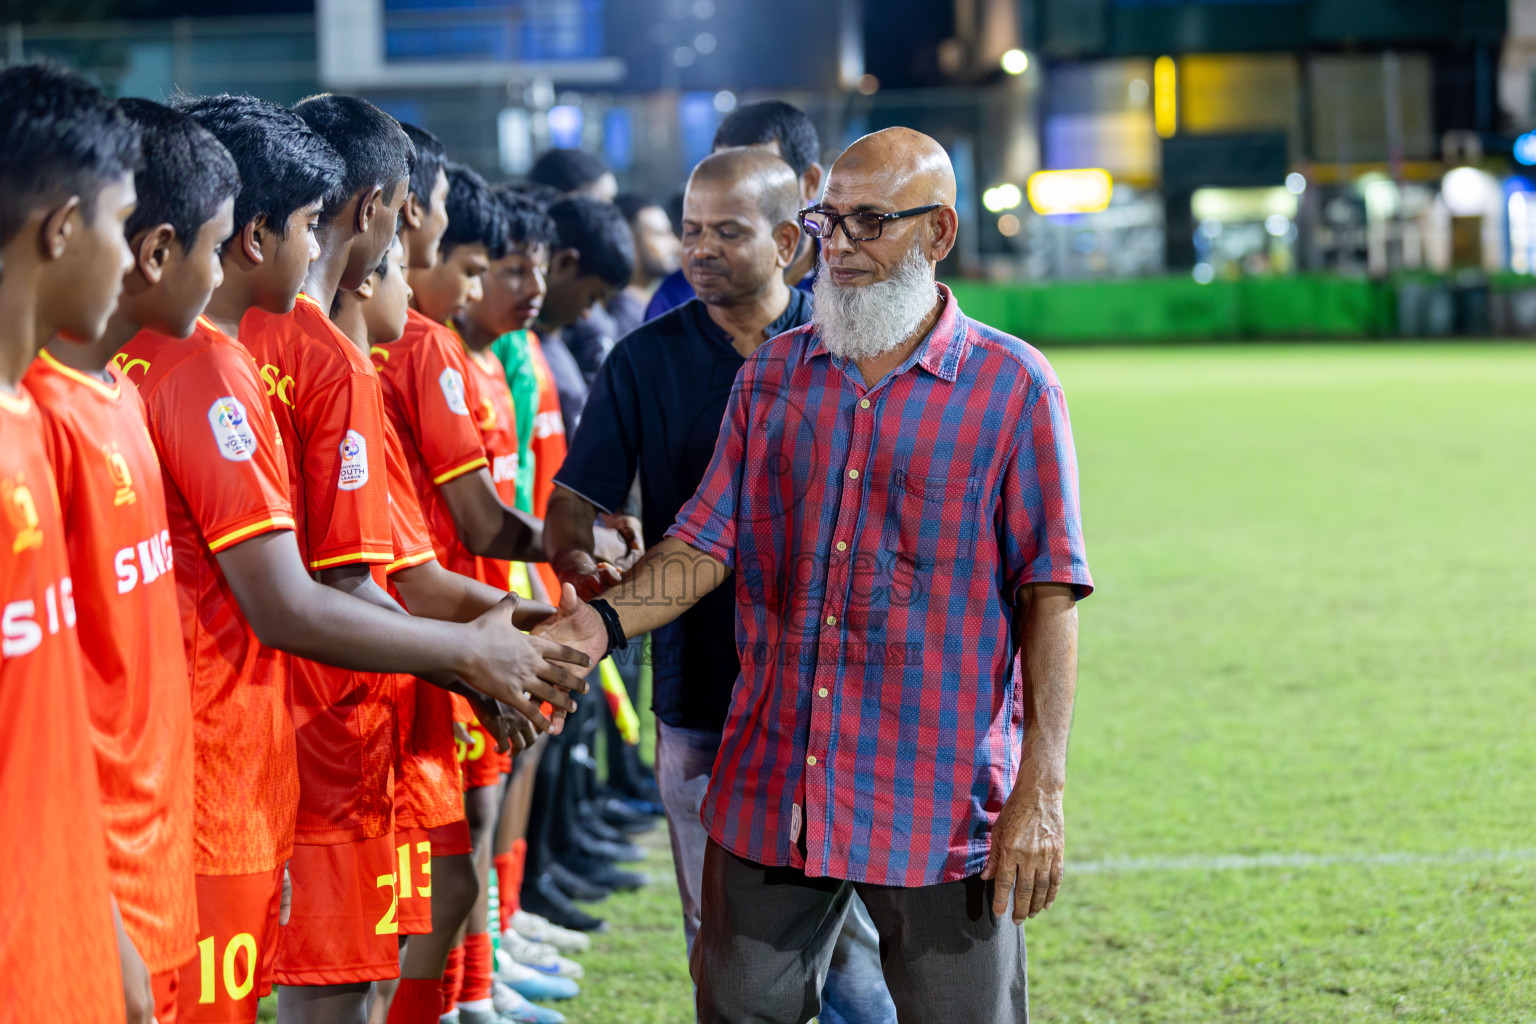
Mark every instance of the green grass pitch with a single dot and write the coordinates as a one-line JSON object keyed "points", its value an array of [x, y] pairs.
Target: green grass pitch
{"points": [[1314, 640]]}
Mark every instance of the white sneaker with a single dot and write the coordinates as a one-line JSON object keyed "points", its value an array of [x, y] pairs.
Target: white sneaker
{"points": [[540, 956], [540, 929]]}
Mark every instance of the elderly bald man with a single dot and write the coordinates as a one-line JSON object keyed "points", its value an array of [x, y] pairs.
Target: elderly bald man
{"points": [[656, 407], [895, 489]]}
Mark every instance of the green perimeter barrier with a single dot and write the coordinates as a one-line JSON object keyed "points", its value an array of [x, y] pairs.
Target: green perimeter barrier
{"points": [[1179, 309]]}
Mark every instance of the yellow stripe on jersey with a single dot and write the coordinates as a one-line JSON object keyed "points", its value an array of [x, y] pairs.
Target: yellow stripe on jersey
{"points": [[360, 556], [460, 471], [408, 561], [265, 526]]}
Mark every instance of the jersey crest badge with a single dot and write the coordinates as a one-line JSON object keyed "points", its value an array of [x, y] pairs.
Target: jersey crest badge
{"points": [[452, 383], [354, 462], [21, 512], [122, 479], [232, 429]]}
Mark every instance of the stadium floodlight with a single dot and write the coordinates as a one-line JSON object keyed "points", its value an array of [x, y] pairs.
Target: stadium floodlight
{"points": [[1466, 191], [1087, 190], [1002, 197]]}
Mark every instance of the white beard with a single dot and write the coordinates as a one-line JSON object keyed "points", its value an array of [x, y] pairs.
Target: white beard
{"points": [[864, 322]]}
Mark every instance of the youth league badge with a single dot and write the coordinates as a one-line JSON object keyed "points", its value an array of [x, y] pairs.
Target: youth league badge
{"points": [[354, 462], [232, 429], [452, 383]]}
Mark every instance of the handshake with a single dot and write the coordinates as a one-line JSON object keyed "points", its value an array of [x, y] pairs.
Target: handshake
{"points": [[547, 664]]}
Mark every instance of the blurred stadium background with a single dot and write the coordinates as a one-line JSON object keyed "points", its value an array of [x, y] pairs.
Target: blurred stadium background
{"points": [[1302, 759], [1218, 168]]}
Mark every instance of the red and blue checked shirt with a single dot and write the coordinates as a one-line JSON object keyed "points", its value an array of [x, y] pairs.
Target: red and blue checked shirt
{"points": [[878, 538]]}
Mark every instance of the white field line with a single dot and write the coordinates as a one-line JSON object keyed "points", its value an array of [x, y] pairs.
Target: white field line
{"points": [[1239, 862]]}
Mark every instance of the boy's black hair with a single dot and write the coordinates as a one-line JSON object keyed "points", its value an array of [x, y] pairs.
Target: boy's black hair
{"points": [[187, 174], [599, 233], [528, 221], [284, 166], [373, 147], [540, 195], [475, 215], [567, 170], [757, 124], [631, 203], [431, 158], [60, 136]]}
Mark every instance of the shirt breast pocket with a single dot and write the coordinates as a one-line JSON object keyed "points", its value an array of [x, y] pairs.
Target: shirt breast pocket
{"points": [[931, 521]]}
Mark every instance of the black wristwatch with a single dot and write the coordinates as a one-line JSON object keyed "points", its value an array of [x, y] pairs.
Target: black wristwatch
{"points": [[617, 641]]}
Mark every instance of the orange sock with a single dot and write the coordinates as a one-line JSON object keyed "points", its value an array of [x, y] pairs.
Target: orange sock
{"points": [[453, 978], [417, 1001], [509, 880], [479, 965]]}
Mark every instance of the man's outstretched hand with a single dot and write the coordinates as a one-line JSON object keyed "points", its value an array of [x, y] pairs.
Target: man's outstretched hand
{"points": [[522, 670], [1028, 851], [576, 625], [590, 576]]}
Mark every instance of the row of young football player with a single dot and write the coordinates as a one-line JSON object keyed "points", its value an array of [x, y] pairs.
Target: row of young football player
{"points": [[280, 571]]}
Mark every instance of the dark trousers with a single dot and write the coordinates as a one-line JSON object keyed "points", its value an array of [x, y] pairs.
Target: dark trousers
{"points": [[766, 938]]}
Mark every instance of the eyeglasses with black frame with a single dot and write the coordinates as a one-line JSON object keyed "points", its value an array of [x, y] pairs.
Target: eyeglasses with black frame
{"points": [[819, 222]]}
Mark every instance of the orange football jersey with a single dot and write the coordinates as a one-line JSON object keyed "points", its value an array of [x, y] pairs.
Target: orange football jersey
{"points": [[58, 948], [226, 481], [130, 633], [494, 415], [547, 449], [427, 791], [428, 396], [329, 409]]}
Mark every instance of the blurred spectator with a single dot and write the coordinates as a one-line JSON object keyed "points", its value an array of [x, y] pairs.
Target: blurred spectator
{"points": [[594, 258], [657, 254], [573, 172], [785, 131]]}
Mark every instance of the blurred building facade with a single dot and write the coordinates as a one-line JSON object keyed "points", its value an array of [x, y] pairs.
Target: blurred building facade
{"points": [[1092, 138]]}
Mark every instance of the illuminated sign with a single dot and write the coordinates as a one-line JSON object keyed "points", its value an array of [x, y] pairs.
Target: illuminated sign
{"points": [[1165, 97], [1525, 149], [1080, 191]]}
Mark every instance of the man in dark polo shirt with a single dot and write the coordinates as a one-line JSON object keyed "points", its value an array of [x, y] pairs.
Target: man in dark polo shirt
{"points": [[656, 407]]}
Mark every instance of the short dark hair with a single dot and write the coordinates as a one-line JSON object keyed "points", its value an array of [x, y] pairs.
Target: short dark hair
{"points": [[757, 124], [431, 158], [372, 145], [528, 221], [60, 136], [631, 203], [599, 233], [475, 215], [567, 169], [541, 195], [284, 166], [187, 174]]}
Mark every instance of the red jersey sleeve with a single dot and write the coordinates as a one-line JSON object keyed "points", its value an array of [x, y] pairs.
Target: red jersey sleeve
{"points": [[407, 525], [219, 445], [345, 474], [445, 426]]}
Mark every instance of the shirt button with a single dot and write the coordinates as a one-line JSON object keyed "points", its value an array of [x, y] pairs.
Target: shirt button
{"points": [[821, 692], [831, 620], [842, 546], [864, 403], [811, 760], [853, 474]]}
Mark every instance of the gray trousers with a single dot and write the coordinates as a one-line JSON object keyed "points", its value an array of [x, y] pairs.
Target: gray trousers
{"points": [[767, 933], [855, 990]]}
